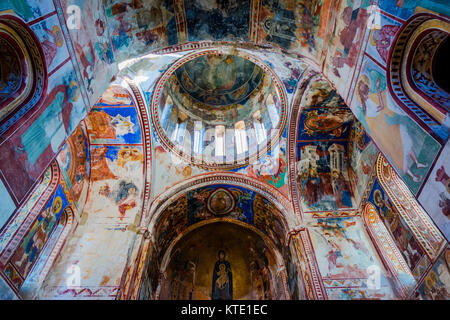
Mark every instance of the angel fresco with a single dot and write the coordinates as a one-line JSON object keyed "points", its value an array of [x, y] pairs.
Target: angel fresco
{"points": [[386, 122], [222, 281]]}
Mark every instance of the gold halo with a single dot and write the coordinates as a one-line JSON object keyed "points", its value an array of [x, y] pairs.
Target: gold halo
{"points": [[57, 201], [377, 193]]}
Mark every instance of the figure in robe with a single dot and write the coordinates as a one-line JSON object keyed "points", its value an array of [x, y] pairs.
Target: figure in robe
{"points": [[222, 282]]}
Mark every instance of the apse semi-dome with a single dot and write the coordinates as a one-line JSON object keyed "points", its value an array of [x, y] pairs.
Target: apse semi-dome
{"points": [[218, 109]]}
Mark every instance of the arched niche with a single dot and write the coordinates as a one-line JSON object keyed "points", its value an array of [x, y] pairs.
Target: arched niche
{"points": [[167, 220], [319, 148], [22, 68], [192, 267], [414, 67], [406, 239]]}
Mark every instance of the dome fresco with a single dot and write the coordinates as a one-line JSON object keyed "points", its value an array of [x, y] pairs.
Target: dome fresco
{"points": [[219, 110], [219, 80]]}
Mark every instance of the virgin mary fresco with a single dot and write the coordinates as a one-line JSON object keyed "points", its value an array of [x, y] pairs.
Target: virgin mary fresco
{"points": [[222, 282]]}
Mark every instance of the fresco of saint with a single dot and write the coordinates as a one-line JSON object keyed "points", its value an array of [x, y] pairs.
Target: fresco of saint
{"points": [[222, 281]]}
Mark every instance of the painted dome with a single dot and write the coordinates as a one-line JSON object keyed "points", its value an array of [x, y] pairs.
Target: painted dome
{"points": [[218, 110]]}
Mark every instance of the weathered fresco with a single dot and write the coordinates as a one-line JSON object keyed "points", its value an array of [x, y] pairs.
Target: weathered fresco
{"points": [[32, 244], [435, 196], [346, 260], [140, 26], [50, 34], [113, 205], [74, 163], [363, 154], [219, 267], [242, 64], [215, 201], [345, 40], [414, 149], [322, 150], [436, 284], [217, 20], [409, 246], [35, 228], [36, 142], [91, 43], [290, 25]]}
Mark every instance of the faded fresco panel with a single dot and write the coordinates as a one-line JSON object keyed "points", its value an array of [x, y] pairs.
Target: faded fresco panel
{"points": [[435, 195], [217, 20], [138, 27], [404, 239], [323, 175], [363, 154], [381, 38], [74, 163], [52, 41], [7, 207], [28, 10], [289, 24], [436, 285], [346, 42], [346, 258], [32, 147], [92, 45], [408, 147]]}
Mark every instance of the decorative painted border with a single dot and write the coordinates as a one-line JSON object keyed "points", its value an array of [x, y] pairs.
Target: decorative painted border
{"points": [[22, 220], [269, 243], [48, 255], [312, 272], [139, 101], [39, 68], [415, 217], [132, 278], [170, 146], [61, 292], [336, 214], [387, 249]]}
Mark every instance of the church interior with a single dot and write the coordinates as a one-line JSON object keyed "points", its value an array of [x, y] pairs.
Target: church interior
{"points": [[224, 150]]}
